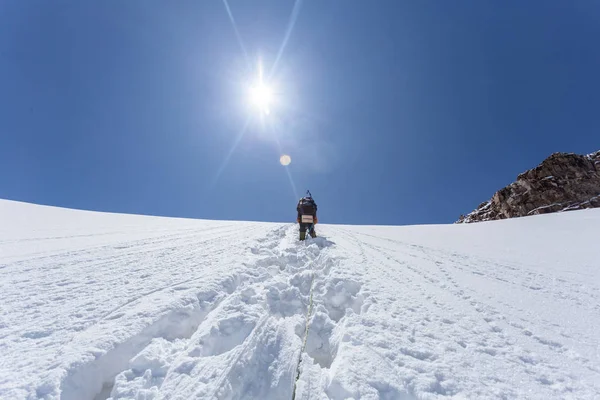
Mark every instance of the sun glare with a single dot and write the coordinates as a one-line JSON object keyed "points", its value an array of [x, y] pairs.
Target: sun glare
{"points": [[261, 97]]}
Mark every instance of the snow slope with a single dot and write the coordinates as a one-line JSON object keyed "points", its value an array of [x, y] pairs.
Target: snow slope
{"points": [[96, 306]]}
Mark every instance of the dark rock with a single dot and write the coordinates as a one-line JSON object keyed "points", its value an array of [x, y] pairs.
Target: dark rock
{"points": [[562, 182]]}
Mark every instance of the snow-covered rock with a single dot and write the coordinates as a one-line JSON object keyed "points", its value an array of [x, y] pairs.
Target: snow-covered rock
{"points": [[97, 306]]}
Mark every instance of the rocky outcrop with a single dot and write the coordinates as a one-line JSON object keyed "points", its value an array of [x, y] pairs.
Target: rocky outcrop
{"points": [[562, 182]]}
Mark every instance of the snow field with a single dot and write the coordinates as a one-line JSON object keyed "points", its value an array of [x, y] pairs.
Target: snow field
{"points": [[83, 292], [97, 306], [455, 324]]}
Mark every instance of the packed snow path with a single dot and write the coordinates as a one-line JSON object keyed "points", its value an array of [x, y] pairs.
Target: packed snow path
{"points": [[96, 306]]}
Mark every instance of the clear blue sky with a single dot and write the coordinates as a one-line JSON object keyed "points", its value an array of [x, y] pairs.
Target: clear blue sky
{"points": [[393, 112]]}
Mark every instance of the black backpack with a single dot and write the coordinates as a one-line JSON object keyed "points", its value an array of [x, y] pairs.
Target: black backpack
{"points": [[307, 206]]}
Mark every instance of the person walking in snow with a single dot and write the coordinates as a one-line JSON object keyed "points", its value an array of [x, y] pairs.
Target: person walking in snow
{"points": [[307, 216]]}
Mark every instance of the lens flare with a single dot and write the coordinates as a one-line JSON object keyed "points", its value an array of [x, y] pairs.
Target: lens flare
{"points": [[285, 160]]}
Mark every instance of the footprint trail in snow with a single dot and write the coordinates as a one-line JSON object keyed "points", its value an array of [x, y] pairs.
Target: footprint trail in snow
{"points": [[248, 345]]}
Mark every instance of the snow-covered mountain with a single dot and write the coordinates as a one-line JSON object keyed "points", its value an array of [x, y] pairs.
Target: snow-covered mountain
{"points": [[97, 305], [562, 182]]}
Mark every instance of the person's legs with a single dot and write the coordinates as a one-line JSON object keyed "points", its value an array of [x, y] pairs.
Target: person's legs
{"points": [[303, 231]]}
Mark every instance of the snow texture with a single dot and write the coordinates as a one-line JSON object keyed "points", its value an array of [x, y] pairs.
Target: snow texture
{"points": [[97, 306]]}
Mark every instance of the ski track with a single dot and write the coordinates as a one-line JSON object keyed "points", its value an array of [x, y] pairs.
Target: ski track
{"points": [[446, 324], [218, 310]]}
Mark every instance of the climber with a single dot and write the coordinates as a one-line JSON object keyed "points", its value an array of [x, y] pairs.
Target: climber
{"points": [[307, 216]]}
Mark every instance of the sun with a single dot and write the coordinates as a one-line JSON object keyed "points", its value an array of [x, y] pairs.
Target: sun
{"points": [[261, 96]]}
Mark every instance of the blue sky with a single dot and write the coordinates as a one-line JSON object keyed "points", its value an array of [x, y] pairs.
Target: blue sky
{"points": [[393, 112]]}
